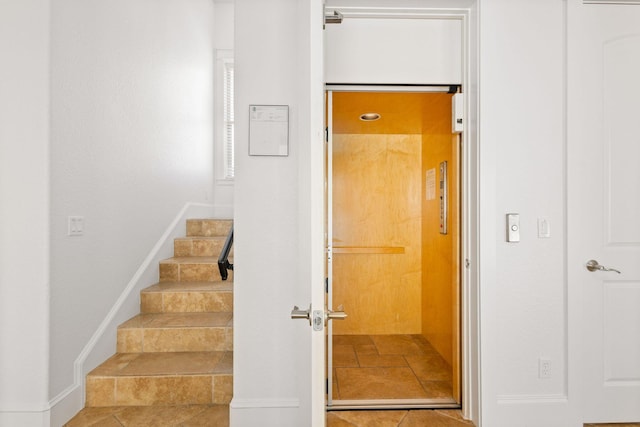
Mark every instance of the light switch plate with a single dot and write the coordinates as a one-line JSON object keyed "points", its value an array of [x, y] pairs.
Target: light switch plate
{"points": [[544, 232], [75, 226], [513, 227]]}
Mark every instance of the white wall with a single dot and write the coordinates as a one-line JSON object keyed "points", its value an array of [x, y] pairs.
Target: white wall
{"points": [[272, 217], [131, 144], [127, 88], [24, 219], [360, 50], [223, 28], [522, 169], [522, 145]]}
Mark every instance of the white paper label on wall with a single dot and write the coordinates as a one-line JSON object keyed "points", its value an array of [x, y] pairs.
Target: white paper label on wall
{"points": [[431, 184], [269, 130]]}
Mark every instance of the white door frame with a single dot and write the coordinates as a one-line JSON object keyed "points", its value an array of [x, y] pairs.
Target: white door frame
{"points": [[312, 169], [470, 207]]}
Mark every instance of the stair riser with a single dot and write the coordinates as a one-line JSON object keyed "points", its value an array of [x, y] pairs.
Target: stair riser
{"points": [[159, 340], [208, 227], [186, 302], [159, 390], [190, 272], [198, 247]]}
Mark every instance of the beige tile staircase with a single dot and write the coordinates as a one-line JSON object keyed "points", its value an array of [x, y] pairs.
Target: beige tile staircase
{"points": [[173, 363]]}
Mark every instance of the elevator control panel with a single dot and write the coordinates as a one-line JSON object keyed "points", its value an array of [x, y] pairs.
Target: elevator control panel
{"points": [[443, 198]]}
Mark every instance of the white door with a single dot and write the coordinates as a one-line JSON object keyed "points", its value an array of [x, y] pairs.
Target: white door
{"points": [[604, 203]]}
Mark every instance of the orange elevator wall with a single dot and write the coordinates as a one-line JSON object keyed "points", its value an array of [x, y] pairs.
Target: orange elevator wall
{"points": [[440, 251], [392, 270], [376, 233]]}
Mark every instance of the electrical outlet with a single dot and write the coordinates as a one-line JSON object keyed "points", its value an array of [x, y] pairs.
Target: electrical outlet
{"points": [[544, 368]]}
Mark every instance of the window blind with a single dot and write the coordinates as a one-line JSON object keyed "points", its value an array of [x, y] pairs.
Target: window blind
{"points": [[228, 120]]}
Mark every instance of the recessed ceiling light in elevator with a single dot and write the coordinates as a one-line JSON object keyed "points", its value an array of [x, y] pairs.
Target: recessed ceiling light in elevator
{"points": [[369, 117]]}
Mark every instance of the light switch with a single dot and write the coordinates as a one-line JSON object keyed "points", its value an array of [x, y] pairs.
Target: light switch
{"points": [[513, 227], [75, 226], [544, 232]]}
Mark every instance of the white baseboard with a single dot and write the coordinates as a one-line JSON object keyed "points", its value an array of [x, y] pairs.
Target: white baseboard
{"points": [[25, 419], [66, 405], [535, 410], [264, 403], [266, 413]]}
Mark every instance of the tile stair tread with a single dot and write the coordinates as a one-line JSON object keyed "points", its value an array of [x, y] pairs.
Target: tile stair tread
{"points": [[214, 239], [166, 364], [219, 238], [191, 260], [208, 227], [191, 269], [218, 220], [199, 246], [217, 286], [179, 320]]}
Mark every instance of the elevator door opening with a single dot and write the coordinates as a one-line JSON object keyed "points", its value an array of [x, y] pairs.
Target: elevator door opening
{"points": [[393, 251]]}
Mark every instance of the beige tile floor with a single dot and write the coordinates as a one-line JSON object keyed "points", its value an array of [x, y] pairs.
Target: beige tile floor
{"points": [[153, 416], [614, 425], [218, 416], [400, 418], [389, 367], [414, 418]]}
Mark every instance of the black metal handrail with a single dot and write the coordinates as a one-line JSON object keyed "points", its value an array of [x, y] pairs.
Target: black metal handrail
{"points": [[223, 259]]}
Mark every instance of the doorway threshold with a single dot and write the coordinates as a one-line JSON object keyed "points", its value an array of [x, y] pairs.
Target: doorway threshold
{"points": [[343, 405]]}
